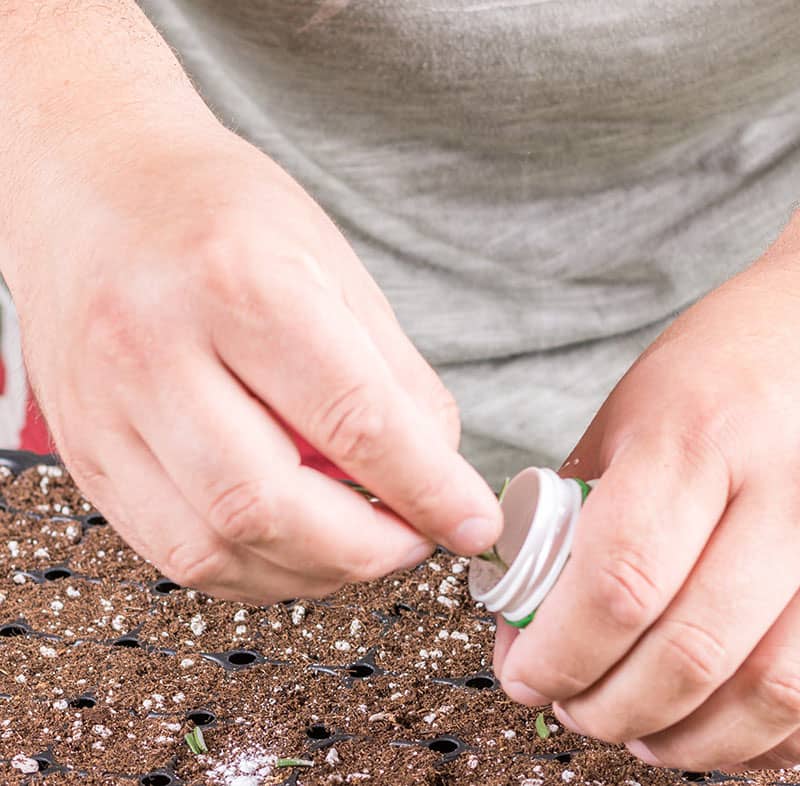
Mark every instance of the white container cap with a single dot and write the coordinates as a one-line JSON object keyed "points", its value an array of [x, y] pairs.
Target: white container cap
{"points": [[540, 510]]}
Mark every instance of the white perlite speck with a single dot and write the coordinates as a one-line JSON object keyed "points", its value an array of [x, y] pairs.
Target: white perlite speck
{"points": [[240, 616], [567, 775], [298, 614], [47, 652], [332, 757], [13, 547], [24, 764], [342, 646], [355, 627], [19, 578], [197, 624], [186, 663]]}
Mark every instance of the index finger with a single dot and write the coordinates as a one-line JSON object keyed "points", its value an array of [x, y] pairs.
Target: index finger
{"points": [[316, 366], [639, 535]]}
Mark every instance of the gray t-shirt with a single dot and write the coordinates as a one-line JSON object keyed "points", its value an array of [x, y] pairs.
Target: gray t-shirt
{"points": [[538, 186]]}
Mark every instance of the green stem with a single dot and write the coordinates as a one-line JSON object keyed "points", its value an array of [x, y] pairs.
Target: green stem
{"points": [[294, 763]]}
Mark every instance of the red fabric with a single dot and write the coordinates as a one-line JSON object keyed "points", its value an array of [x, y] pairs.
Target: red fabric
{"points": [[36, 438], [34, 435]]}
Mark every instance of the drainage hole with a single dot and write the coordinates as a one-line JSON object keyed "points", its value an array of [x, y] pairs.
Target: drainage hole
{"points": [[127, 641], [444, 745], [201, 717], [96, 520], [361, 670], [694, 777], [242, 657], [156, 779], [165, 586], [480, 682], [400, 608], [563, 758], [53, 574], [318, 732], [12, 629], [83, 702]]}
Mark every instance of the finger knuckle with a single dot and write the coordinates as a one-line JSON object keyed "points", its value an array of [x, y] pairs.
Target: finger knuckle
{"points": [[625, 591], [117, 331], [244, 513], [694, 654], [194, 564], [353, 427], [698, 439], [778, 692]]}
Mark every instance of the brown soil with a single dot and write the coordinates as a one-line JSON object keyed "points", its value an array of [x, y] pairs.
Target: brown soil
{"points": [[102, 675]]}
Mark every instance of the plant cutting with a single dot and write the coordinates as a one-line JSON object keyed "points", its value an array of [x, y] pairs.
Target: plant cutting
{"points": [[194, 739], [542, 729], [294, 763]]}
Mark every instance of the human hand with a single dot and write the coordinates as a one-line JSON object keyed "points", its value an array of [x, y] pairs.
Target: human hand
{"points": [[675, 626], [185, 300]]}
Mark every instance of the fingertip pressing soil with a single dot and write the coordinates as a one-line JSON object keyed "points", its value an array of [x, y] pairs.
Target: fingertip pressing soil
{"points": [[106, 665]]}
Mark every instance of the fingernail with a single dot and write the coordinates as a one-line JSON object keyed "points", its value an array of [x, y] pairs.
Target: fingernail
{"points": [[417, 555], [566, 720], [520, 692], [641, 751], [475, 535]]}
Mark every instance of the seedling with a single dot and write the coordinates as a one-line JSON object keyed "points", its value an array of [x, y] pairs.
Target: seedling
{"points": [[294, 763], [194, 739], [542, 729], [491, 555]]}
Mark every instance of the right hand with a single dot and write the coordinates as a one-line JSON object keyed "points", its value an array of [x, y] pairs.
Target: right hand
{"points": [[186, 300]]}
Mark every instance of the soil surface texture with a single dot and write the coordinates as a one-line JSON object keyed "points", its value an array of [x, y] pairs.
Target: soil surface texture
{"points": [[106, 665]]}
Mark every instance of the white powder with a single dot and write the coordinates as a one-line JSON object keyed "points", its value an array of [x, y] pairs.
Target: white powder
{"points": [[235, 767]]}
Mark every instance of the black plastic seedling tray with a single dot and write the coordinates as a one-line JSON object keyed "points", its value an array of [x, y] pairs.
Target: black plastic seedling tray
{"points": [[318, 736]]}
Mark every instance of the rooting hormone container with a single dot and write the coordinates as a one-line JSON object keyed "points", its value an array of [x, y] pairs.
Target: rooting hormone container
{"points": [[540, 511]]}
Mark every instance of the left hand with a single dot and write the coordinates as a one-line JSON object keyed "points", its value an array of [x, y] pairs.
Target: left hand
{"points": [[675, 626]]}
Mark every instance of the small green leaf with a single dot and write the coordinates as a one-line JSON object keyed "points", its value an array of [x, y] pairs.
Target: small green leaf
{"points": [[542, 729], [194, 739], [294, 763]]}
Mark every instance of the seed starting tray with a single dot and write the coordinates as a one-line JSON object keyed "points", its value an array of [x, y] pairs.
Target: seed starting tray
{"points": [[106, 665]]}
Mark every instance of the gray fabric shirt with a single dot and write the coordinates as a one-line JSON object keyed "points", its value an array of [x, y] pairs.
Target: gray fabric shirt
{"points": [[538, 186]]}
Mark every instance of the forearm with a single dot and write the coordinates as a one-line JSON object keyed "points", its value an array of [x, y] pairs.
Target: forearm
{"points": [[80, 82]]}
